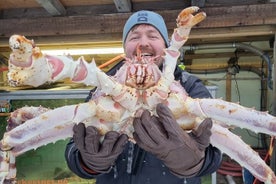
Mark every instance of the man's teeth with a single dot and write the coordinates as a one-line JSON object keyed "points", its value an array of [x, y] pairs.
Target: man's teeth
{"points": [[146, 54]]}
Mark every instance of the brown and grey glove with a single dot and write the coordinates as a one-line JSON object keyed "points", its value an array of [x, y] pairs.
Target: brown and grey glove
{"points": [[97, 156], [181, 152]]}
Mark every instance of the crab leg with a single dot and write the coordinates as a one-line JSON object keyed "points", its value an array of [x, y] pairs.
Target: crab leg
{"points": [[7, 167], [29, 66], [233, 146], [31, 134], [190, 112], [46, 127], [232, 114]]}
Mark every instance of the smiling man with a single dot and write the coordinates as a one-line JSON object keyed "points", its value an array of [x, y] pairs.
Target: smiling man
{"points": [[163, 152]]}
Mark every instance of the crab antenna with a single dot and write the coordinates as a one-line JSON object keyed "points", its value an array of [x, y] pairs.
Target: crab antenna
{"points": [[138, 53]]}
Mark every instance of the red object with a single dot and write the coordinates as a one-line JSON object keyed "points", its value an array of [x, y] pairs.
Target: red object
{"points": [[4, 69], [267, 156], [231, 168]]}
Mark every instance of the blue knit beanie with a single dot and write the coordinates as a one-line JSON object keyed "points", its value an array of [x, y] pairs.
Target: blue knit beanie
{"points": [[146, 17]]}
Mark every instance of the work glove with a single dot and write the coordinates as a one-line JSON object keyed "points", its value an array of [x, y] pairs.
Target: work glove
{"points": [[183, 153], [96, 155]]}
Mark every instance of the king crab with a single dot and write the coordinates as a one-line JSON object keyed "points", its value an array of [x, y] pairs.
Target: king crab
{"points": [[120, 99]]}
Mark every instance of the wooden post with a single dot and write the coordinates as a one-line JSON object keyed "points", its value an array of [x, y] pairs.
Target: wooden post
{"points": [[274, 78], [273, 112], [228, 87], [1, 76]]}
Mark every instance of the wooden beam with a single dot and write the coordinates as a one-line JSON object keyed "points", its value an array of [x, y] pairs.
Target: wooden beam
{"points": [[232, 2], [236, 31], [220, 55], [70, 11], [158, 5], [197, 36], [240, 16], [54, 7], [123, 5], [198, 3]]}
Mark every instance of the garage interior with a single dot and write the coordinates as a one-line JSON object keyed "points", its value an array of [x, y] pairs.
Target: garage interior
{"points": [[232, 51]]}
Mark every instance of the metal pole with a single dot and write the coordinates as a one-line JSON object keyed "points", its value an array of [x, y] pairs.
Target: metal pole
{"points": [[214, 178]]}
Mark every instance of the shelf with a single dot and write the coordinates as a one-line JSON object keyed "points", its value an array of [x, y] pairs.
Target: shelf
{"points": [[44, 94], [4, 114]]}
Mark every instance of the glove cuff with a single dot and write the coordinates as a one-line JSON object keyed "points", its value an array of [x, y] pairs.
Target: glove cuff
{"points": [[88, 170], [92, 169], [188, 173], [104, 171]]}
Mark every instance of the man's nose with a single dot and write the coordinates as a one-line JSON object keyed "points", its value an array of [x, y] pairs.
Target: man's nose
{"points": [[144, 42]]}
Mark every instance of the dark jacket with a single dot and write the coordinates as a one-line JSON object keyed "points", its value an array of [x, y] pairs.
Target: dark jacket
{"points": [[136, 166]]}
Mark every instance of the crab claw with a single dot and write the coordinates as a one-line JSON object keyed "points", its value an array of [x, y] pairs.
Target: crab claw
{"points": [[187, 19]]}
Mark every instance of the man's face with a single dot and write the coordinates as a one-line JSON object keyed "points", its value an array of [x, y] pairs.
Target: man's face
{"points": [[148, 39]]}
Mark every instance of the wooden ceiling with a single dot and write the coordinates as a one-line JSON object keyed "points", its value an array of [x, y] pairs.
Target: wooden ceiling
{"points": [[90, 24]]}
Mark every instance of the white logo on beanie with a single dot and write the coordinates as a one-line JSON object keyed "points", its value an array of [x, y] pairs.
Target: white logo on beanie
{"points": [[142, 17]]}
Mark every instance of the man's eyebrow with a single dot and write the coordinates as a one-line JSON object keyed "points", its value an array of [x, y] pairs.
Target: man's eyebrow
{"points": [[134, 32], [150, 31], [153, 31]]}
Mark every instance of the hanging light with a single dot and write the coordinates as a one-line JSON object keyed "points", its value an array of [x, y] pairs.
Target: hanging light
{"points": [[117, 50]]}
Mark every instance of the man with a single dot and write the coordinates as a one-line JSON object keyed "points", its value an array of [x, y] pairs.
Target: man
{"points": [[163, 152]]}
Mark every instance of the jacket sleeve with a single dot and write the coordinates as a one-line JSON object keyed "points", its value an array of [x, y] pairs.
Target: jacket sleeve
{"points": [[193, 86], [212, 161], [72, 157]]}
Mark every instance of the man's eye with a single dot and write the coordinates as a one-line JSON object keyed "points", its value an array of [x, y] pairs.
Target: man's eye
{"points": [[134, 38], [153, 36]]}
